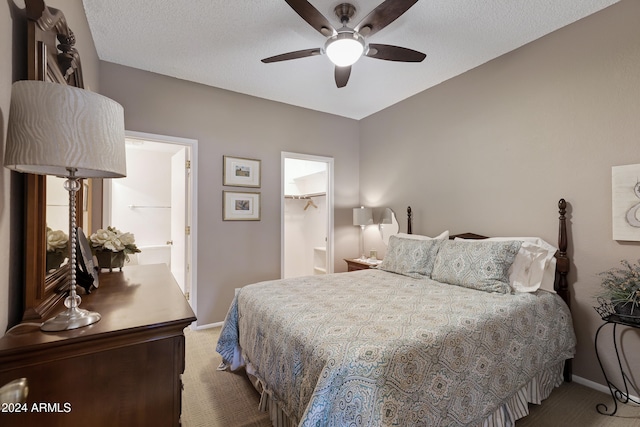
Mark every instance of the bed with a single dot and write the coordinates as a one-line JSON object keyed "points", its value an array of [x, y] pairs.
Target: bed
{"points": [[436, 336]]}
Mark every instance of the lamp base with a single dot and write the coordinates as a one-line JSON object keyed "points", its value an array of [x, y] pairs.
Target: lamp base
{"points": [[71, 318]]}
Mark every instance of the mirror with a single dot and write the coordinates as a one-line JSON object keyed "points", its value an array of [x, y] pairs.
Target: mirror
{"points": [[57, 220], [51, 56], [57, 225], [388, 225]]}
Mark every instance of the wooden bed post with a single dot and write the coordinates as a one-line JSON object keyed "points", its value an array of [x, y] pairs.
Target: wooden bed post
{"points": [[409, 220], [561, 285]]}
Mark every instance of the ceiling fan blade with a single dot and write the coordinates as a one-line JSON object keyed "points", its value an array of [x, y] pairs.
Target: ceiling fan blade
{"points": [[383, 15], [342, 76], [394, 53], [292, 55], [312, 16]]}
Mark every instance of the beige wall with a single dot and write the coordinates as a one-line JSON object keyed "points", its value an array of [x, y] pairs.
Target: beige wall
{"points": [[492, 151], [13, 39], [232, 254]]}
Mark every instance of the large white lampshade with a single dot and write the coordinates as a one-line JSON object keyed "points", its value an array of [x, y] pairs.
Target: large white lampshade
{"points": [[53, 127], [362, 216], [61, 130]]}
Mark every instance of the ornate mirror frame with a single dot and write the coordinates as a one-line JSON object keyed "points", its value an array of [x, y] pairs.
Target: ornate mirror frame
{"points": [[51, 57]]}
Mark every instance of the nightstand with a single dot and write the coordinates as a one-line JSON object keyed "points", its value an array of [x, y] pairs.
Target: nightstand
{"points": [[357, 264]]}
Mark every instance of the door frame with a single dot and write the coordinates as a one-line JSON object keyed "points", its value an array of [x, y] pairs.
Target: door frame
{"points": [[330, 204], [192, 207]]}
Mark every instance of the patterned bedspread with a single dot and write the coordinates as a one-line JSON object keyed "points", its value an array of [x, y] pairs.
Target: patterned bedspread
{"points": [[374, 348]]}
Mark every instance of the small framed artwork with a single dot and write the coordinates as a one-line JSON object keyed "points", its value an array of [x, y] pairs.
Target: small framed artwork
{"points": [[625, 182], [240, 206], [241, 172]]}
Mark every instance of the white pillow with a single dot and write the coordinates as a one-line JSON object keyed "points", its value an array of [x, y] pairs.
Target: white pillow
{"points": [[549, 277], [534, 266], [442, 236]]}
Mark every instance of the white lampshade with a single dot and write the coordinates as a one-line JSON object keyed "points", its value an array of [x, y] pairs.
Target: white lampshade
{"points": [[344, 48], [54, 127], [362, 216], [387, 216]]}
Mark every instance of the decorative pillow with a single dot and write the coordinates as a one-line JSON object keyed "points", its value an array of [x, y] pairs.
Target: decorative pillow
{"points": [[480, 264], [442, 236], [410, 257], [533, 265]]}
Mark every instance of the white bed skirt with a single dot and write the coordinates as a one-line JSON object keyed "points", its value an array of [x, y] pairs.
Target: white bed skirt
{"points": [[514, 408]]}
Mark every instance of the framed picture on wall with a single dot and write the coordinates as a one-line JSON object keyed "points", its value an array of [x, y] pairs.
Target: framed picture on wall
{"points": [[625, 182], [241, 172], [240, 206]]}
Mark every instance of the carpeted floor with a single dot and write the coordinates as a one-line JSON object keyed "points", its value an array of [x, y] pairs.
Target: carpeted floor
{"points": [[213, 398]]}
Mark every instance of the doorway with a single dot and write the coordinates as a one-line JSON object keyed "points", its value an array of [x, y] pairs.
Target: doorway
{"points": [[156, 202], [307, 215]]}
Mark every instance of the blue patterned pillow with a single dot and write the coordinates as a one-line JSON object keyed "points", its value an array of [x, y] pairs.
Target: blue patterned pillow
{"points": [[482, 265], [410, 257]]}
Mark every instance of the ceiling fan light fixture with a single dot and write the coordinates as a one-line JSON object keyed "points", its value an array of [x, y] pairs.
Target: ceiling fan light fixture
{"points": [[345, 48]]}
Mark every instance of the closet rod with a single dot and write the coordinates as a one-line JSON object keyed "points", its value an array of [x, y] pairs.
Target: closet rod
{"points": [[304, 196], [148, 207]]}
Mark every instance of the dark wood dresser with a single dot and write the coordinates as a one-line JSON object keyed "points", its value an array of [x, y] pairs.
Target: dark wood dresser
{"points": [[124, 370]]}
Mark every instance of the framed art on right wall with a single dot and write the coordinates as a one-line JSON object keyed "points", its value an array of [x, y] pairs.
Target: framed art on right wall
{"points": [[625, 194]]}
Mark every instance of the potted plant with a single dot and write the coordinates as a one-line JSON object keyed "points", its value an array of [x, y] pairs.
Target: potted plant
{"points": [[112, 247], [621, 287]]}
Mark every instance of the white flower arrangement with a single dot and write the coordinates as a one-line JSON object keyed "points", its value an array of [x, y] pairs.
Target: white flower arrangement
{"points": [[114, 240], [57, 241]]}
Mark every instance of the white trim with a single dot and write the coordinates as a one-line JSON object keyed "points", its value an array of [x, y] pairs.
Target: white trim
{"points": [[330, 204], [192, 217], [596, 386], [207, 326], [590, 384], [160, 138]]}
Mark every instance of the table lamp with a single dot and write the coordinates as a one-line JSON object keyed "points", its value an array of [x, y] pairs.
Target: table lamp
{"points": [[61, 130], [362, 216]]}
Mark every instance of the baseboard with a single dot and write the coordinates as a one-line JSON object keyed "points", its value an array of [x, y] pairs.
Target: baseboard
{"points": [[596, 386], [208, 326], [591, 384]]}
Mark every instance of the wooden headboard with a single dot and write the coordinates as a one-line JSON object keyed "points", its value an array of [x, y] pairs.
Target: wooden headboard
{"points": [[561, 284]]}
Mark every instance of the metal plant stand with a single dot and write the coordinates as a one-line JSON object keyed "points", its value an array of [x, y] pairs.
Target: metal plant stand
{"points": [[618, 394]]}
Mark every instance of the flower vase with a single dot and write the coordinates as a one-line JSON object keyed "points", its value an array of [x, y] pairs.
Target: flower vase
{"points": [[628, 312], [55, 260], [110, 260]]}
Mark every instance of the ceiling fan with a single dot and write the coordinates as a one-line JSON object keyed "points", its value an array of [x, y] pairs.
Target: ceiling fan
{"points": [[344, 46]]}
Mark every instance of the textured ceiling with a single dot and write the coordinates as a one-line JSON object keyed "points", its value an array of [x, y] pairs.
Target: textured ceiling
{"points": [[221, 42]]}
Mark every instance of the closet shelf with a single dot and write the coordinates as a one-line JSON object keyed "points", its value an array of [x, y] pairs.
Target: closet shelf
{"points": [[320, 260], [303, 196]]}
